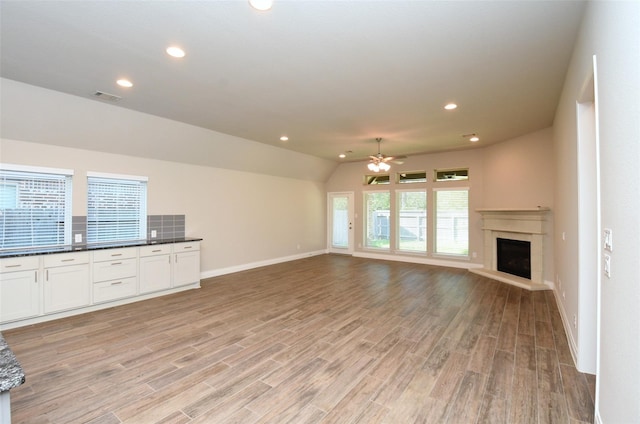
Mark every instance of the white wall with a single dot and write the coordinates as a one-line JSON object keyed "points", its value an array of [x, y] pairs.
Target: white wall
{"points": [[245, 216], [516, 173], [611, 31]]}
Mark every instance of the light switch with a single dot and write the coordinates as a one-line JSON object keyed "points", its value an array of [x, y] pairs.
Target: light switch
{"points": [[608, 240]]}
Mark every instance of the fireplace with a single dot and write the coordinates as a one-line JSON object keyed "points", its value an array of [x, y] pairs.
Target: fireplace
{"points": [[520, 234], [514, 257]]}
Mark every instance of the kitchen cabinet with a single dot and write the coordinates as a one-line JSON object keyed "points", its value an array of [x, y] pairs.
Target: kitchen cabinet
{"points": [[186, 263], [19, 288], [114, 274], [66, 281], [155, 268], [45, 286]]}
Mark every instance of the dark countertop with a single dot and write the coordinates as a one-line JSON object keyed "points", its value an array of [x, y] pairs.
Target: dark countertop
{"points": [[10, 253], [11, 373]]}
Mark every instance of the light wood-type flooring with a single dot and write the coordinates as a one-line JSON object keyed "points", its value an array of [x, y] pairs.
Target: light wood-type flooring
{"points": [[326, 339]]}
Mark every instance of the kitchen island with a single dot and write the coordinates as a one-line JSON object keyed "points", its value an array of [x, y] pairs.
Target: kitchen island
{"points": [[11, 376]]}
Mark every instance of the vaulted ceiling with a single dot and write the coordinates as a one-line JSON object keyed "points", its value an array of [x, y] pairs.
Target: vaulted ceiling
{"points": [[330, 75]]}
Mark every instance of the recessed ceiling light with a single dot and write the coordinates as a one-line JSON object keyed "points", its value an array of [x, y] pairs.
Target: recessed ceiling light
{"points": [[261, 4], [124, 83], [474, 139], [284, 138], [451, 106], [342, 156], [175, 52]]}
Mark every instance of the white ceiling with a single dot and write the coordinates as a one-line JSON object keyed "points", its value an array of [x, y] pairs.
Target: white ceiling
{"points": [[332, 75]]}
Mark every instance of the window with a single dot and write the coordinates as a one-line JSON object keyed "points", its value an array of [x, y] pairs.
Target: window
{"points": [[461, 174], [412, 177], [35, 207], [412, 220], [452, 221], [116, 208], [377, 219], [376, 179]]}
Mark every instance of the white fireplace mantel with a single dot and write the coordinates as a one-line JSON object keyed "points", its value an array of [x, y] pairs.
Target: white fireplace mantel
{"points": [[515, 224]]}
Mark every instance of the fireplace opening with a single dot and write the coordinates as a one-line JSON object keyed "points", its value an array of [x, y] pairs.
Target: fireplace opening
{"points": [[514, 257]]}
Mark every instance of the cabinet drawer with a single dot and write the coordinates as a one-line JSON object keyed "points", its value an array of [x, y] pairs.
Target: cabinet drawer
{"points": [[64, 259], [158, 249], [185, 247], [112, 254], [114, 269], [111, 290], [23, 263]]}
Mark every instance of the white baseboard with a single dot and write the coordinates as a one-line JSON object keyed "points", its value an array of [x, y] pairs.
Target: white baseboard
{"points": [[573, 347], [258, 264], [464, 264]]}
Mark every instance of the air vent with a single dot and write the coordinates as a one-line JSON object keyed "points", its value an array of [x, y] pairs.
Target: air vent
{"points": [[106, 96]]}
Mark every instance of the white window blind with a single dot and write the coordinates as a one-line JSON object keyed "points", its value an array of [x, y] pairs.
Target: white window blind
{"points": [[35, 207], [116, 208], [452, 221]]}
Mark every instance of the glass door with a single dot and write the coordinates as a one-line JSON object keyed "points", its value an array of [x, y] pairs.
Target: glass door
{"points": [[340, 222]]}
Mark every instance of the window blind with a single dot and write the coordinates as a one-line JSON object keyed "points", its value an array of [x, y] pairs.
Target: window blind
{"points": [[116, 209], [452, 221], [35, 209]]}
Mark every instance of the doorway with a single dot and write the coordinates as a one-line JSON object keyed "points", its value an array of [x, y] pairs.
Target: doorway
{"points": [[340, 218]]}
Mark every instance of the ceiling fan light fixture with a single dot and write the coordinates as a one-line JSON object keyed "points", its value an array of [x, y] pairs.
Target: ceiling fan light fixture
{"points": [[373, 167], [384, 166]]}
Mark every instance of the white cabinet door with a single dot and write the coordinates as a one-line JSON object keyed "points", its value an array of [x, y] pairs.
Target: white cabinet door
{"points": [[19, 295], [186, 263], [155, 273], [66, 287]]}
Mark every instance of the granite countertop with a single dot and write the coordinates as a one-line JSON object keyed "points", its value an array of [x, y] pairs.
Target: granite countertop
{"points": [[11, 373], [87, 247]]}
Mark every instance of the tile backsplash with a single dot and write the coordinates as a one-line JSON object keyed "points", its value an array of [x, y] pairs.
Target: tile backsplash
{"points": [[165, 227]]}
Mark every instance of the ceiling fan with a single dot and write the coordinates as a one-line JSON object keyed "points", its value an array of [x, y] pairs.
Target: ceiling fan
{"points": [[379, 161]]}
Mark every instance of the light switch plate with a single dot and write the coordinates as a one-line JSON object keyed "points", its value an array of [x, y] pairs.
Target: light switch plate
{"points": [[154, 233], [608, 240], [78, 238]]}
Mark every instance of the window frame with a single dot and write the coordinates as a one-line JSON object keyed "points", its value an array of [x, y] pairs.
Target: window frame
{"points": [[365, 232], [435, 220], [398, 212], [104, 235], [41, 175]]}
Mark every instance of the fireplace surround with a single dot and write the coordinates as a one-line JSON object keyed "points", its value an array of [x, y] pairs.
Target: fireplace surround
{"points": [[524, 225]]}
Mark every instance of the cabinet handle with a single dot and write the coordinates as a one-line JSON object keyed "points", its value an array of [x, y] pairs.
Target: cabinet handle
{"points": [[47, 276], [176, 258], [68, 260], [116, 254], [116, 263], [36, 277], [187, 247], [13, 266], [116, 283], [157, 250]]}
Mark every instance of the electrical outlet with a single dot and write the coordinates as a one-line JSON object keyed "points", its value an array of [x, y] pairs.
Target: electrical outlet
{"points": [[607, 266], [154, 233], [78, 238], [575, 321]]}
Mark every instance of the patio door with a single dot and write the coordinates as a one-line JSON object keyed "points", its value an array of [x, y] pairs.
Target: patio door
{"points": [[340, 223]]}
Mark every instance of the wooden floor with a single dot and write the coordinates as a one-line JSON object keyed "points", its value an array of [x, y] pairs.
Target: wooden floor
{"points": [[328, 339]]}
